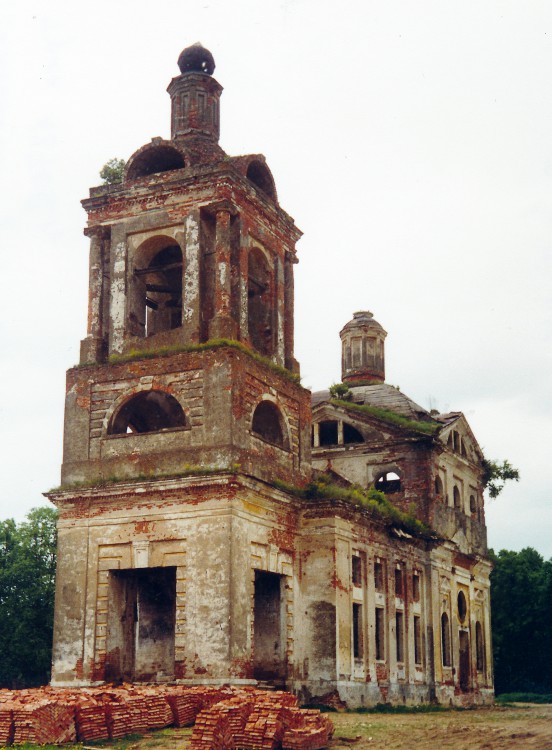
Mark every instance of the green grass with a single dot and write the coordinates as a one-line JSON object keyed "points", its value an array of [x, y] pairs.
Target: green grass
{"points": [[391, 417], [507, 698], [374, 502], [386, 708], [212, 344], [185, 471]]}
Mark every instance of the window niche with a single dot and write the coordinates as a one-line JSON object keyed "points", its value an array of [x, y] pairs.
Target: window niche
{"points": [[156, 299], [268, 424], [260, 302], [388, 482], [147, 411]]}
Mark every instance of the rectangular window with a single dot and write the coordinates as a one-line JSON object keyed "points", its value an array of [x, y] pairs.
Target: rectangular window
{"points": [[357, 570], [416, 586], [380, 633], [417, 640], [357, 631], [378, 576], [399, 627], [399, 582]]}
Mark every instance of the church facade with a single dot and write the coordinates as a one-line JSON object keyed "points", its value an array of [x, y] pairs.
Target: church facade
{"points": [[218, 522]]}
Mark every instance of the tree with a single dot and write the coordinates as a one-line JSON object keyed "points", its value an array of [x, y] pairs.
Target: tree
{"points": [[521, 606], [495, 474], [112, 171], [27, 585]]}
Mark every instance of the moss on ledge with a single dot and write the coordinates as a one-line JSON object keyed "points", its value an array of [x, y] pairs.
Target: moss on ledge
{"points": [[374, 502], [185, 471], [391, 417], [212, 344]]}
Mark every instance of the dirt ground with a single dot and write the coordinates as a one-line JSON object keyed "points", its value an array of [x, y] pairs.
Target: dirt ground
{"points": [[522, 726], [515, 728]]}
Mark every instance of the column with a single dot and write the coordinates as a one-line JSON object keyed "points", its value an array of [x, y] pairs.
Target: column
{"points": [[191, 282], [222, 326], [92, 347], [290, 361]]}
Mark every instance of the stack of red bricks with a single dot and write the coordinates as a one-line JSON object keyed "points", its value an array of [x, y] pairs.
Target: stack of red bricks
{"points": [[224, 717]]}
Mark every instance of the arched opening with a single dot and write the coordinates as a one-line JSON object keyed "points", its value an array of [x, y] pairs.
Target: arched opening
{"points": [[154, 159], [388, 482], [445, 640], [457, 499], [147, 411], [351, 434], [462, 606], [328, 432], [161, 302], [260, 303], [438, 486], [479, 648], [268, 424], [473, 505], [259, 174]]}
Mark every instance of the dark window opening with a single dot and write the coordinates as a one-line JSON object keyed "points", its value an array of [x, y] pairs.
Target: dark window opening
{"points": [[260, 318], [258, 173], [462, 606], [416, 587], [464, 661], [268, 641], [438, 486], [351, 434], [380, 633], [357, 570], [399, 630], [473, 504], [378, 576], [479, 647], [328, 433], [153, 160], [389, 482], [268, 424], [162, 284], [417, 640], [399, 583], [357, 631], [445, 640], [457, 498], [148, 411]]}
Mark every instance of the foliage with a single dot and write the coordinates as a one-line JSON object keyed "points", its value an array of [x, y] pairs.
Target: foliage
{"points": [[391, 417], [376, 503], [212, 344], [27, 584], [496, 474], [112, 171], [541, 698], [341, 392], [187, 470], [521, 602]]}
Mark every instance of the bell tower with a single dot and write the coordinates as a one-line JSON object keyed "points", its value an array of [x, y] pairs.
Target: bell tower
{"points": [[184, 414]]}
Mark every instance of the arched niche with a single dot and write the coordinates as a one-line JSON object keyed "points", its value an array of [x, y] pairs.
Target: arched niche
{"points": [[268, 424], [153, 159], [156, 297], [260, 302], [147, 411], [260, 175]]}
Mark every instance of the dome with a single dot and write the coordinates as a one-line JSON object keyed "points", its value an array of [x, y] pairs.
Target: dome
{"points": [[362, 320], [196, 59]]}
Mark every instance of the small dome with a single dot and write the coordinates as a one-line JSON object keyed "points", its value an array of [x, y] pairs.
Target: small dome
{"points": [[363, 319], [196, 59]]}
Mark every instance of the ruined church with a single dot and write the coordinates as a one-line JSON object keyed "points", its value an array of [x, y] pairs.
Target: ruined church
{"points": [[218, 523]]}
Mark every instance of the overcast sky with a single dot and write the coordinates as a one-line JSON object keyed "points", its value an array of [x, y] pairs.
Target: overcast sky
{"points": [[412, 143]]}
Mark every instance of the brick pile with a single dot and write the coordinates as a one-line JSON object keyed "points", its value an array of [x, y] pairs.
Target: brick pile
{"points": [[225, 718]]}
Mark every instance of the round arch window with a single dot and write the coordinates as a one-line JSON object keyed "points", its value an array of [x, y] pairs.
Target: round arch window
{"points": [[268, 424], [148, 411]]}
